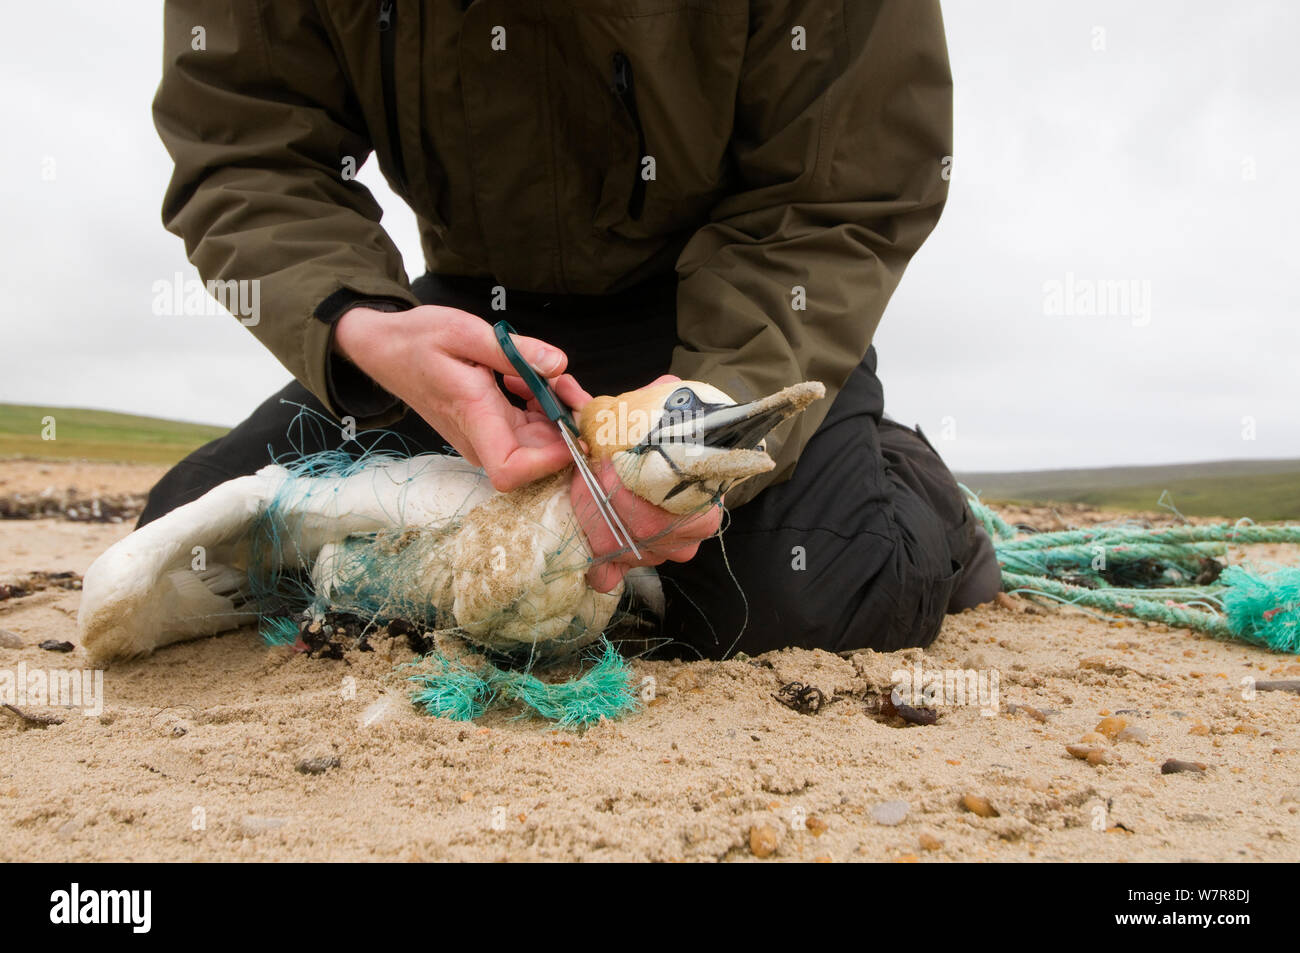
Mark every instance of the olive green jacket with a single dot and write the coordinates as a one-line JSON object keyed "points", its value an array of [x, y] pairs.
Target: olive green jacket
{"points": [[787, 157]]}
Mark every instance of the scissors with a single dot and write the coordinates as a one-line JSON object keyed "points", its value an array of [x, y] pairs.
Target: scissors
{"points": [[559, 415]]}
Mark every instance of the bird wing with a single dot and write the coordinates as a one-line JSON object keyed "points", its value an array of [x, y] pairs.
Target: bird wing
{"points": [[185, 574]]}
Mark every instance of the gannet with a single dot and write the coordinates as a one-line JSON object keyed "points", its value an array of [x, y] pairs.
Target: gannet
{"points": [[426, 538]]}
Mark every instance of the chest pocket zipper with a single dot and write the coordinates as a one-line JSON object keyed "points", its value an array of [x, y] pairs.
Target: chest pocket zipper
{"points": [[387, 44], [625, 90]]}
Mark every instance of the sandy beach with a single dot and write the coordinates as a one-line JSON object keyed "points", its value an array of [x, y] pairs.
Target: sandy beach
{"points": [[224, 749]]}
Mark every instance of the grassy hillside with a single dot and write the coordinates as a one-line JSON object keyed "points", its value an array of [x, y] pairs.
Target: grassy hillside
{"points": [[1259, 489], [98, 435]]}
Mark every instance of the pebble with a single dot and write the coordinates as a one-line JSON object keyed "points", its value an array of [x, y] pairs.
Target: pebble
{"points": [[979, 805], [1097, 663], [763, 839], [1134, 734], [1286, 686], [929, 842], [318, 765], [11, 640], [816, 826], [375, 712], [54, 645], [890, 813], [1174, 766], [1009, 602], [1111, 726], [253, 825], [1033, 713], [1094, 756]]}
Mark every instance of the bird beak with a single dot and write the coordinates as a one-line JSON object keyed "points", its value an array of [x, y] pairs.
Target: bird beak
{"points": [[743, 426]]}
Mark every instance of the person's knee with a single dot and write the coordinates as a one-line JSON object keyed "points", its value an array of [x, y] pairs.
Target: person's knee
{"points": [[905, 602], [882, 590]]}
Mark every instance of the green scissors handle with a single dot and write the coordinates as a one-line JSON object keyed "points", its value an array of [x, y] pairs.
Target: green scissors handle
{"points": [[560, 416], [546, 397]]}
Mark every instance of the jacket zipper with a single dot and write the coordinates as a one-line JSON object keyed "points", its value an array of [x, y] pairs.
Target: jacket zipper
{"points": [[625, 90], [387, 44]]}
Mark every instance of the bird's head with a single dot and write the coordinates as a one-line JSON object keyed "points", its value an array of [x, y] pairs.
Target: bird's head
{"points": [[682, 444]]}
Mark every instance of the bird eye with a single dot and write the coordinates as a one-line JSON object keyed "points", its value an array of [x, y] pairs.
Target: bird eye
{"points": [[682, 398]]}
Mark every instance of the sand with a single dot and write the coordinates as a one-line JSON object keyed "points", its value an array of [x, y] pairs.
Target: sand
{"points": [[225, 750]]}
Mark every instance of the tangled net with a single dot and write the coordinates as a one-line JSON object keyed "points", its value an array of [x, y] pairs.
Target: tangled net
{"points": [[403, 572], [1177, 576]]}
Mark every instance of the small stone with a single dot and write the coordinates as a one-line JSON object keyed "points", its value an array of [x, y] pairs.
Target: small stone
{"points": [[1111, 726], [979, 805], [54, 645], [890, 813], [1099, 663], [1007, 601], [318, 765], [1199, 729], [253, 825], [1134, 734], [1245, 728], [1174, 766], [377, 711], [1094, 756], [763, 839], [816, 826], [929, 842], [11, 640], [1287, 686]]}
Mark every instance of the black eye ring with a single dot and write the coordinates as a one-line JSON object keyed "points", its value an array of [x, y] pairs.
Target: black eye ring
{"points": [[682, 398]]}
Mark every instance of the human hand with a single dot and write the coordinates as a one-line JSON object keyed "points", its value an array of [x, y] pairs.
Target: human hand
{"points": [[439, 361], [661, 536]]}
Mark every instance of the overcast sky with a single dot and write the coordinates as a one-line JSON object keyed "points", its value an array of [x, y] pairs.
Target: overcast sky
{"points": [[1154, 144]]}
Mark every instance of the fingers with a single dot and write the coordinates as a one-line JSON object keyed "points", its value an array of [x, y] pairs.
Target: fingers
{"points": [[571, 392], [515, 384], [456, 439], [472, 338], [660, 536], [566, 387], [605, 576], [508, 461]]}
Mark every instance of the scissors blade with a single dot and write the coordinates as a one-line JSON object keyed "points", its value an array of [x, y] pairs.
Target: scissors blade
{"points": [[555, 410], [607, 511]]}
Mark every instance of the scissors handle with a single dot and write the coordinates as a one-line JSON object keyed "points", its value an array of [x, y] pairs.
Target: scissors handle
{"points": [[546, 397], [559, 414]]}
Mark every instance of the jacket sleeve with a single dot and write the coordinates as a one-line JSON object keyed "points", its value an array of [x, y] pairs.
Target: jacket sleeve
{"points": [[257, 116], [840, 149]]}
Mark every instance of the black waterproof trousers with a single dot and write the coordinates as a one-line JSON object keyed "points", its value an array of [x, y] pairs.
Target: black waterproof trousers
{"points": [[865, 547]]}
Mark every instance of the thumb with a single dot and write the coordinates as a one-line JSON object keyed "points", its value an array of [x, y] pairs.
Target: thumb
{"points": [[478, 342]]}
